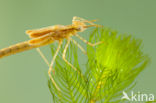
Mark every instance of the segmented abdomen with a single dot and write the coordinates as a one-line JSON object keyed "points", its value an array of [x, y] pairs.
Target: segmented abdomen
{"points": [[15, 49]]}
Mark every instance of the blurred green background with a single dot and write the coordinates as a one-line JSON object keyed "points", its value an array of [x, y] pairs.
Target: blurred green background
{"points": [[22, 76]]}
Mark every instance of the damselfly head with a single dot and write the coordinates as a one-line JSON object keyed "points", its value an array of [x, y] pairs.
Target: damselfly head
{"points": [[81, 24]]}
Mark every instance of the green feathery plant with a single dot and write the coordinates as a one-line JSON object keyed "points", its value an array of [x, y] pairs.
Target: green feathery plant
{"points": [[111, 68]]}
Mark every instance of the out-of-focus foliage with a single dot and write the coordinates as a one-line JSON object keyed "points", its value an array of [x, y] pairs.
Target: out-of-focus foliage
{"points": [[111, 68]]}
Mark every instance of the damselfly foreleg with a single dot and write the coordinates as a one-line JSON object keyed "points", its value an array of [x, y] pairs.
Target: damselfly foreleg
{"points": [[52, 63], [64, 54], [77, 44], [85, 41], [64, 58]]}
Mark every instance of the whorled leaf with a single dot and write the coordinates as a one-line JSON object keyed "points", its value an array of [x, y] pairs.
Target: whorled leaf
{"points": [[111, 68]]}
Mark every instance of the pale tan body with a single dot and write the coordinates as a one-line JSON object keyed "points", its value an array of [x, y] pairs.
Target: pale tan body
{"points": [[45, 36], [58, 32]]}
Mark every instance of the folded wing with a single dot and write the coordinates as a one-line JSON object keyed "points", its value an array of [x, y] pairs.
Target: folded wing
{"points": [[43, 31], [42, 40]]}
